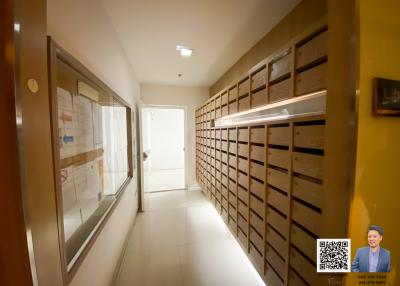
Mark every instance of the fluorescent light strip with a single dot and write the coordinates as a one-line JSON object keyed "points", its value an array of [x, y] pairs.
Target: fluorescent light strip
{"points": [[280, 103], [306, 105], [185, 51]]}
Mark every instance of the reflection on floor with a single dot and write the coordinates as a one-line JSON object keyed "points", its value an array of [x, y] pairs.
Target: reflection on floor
{"points": [[162, 180], [182, 241]]}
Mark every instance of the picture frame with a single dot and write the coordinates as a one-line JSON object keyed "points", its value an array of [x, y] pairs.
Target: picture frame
{"points": [[386, 97]]}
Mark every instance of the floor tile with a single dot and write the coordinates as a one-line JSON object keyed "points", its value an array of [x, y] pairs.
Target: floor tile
{"points": [[181, 240]]}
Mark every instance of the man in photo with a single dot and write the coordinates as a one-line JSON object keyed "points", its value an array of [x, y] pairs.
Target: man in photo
{"points": [[372, 258]]}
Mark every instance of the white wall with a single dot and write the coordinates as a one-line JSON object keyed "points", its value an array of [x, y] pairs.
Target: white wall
{"points": [[83, 29], [146, 138], [188, 97]]}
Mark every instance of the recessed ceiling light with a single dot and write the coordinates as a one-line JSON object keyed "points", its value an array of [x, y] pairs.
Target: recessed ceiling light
{"points": [[185, 51], [17, 27]]}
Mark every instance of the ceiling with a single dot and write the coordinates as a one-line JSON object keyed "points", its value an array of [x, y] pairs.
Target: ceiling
{"points": [[219, 31]]}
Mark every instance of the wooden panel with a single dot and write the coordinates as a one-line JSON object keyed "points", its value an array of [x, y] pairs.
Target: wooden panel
{"points": [[281, 67], [218, 102], [243, 210], [303, 267], [243, 150], [243, 135], [224, 215], [280, 91], [233, 93], [232, 134], [243, 180], [224, 134], [232, 211], [242, 223], [242, 238], [277, 242], [308, 164], [224, 157], [224, 191], [257, 206], [224, 110], [279, 136], [277, 221], [224, 169], [304, 242], [224, 146], [311, 136], [224, 98], [218, 144], [244, 87], [224, 180], [294, 279], [257, 135], [307, 217], [232, 223], [232, 173], [218, 113], [233, 107], [312, 50], [212, 114], [278, 179], [258, 79], [256, 239], [243, 165], [232, 147], [232, 187], [308, 191], [218, 134], [217, 174], [257, 257], [276, 261], [243, 195], [259, 98], [257, 153], [278, 200], [256, 222], [232, 160], [257, 189], [279, 158], [311, 80], [271, 277], [244, 103], [257, 171]]}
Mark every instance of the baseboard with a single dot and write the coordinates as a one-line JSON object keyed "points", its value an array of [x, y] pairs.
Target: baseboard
{"points": [[123, 252], [194, 187]]}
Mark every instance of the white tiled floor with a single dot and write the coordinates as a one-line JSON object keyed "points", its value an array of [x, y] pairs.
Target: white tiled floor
{"points": [[182, 241], [164, 180]]}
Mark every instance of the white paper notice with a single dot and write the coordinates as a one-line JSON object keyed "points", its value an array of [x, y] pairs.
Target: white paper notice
{"points": [[83, 124], [65, 123]]}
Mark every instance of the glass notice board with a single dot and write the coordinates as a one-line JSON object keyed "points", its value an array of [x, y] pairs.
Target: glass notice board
{"points": [[92, 145]]}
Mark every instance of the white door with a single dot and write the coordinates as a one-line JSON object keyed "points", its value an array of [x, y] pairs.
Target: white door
{"points": [[163, 131]]}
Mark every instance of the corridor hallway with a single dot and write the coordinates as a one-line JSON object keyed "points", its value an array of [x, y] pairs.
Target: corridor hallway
{"points": [[181, 240]]}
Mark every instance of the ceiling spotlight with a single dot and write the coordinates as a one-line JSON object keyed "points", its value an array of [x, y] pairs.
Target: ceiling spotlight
{"points": [[185, 51]]}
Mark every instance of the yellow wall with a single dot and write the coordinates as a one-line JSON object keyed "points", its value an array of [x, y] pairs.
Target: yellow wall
{"points": [[377, 188]]}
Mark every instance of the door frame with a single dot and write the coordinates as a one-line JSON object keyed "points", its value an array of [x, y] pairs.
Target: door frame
{"points": [[185, 133]]}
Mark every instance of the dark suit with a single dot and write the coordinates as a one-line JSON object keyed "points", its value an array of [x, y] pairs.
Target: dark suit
{"points": [[361, 261]]}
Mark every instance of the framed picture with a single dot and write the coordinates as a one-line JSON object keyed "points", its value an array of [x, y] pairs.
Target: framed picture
{"points": [[386, 97]]}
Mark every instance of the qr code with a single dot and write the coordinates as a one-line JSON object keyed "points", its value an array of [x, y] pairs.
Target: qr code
{"points": [[333, 255]]}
